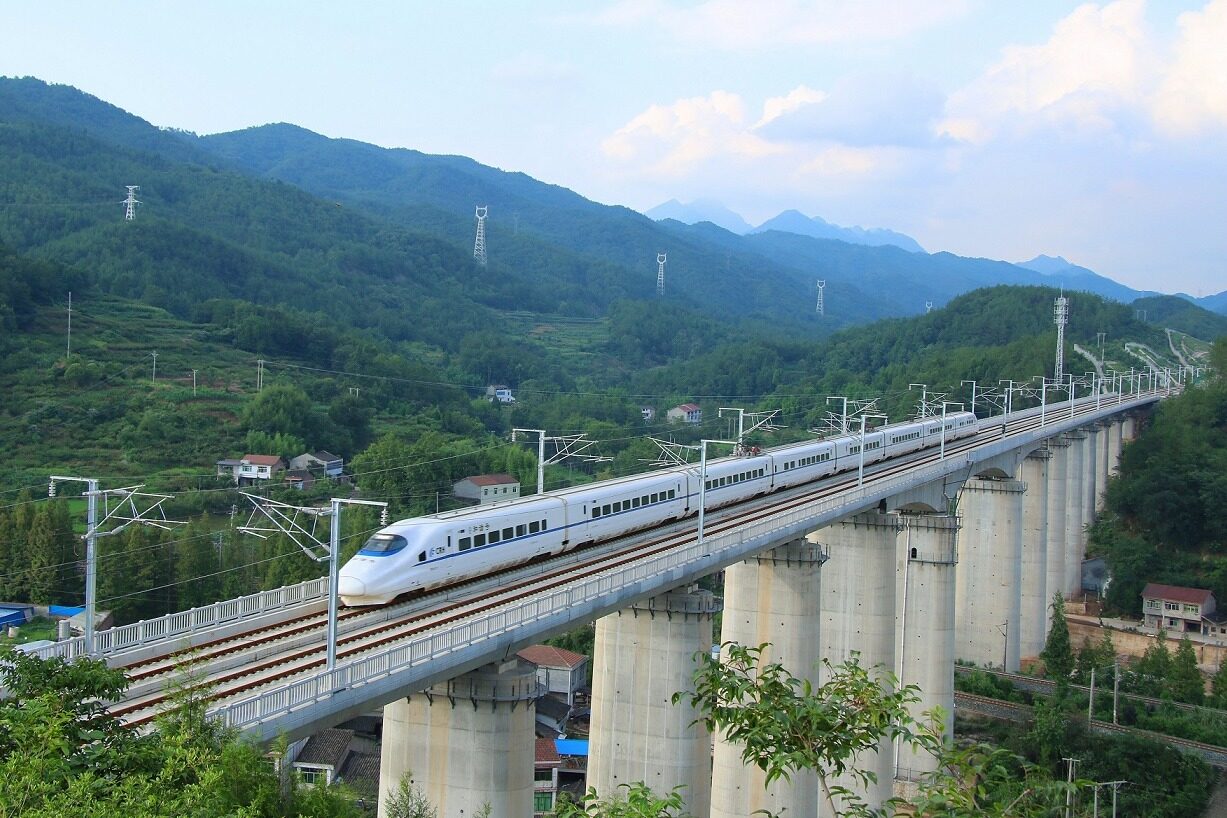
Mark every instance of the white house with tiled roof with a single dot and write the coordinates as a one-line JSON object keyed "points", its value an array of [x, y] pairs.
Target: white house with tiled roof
{"points": [[1175, 608], [487, 488], [685, 413], [563, 672]]}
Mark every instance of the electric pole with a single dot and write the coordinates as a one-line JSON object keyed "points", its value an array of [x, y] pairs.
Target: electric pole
{"points": [[68, 354], [155, 367], [194, 371]]}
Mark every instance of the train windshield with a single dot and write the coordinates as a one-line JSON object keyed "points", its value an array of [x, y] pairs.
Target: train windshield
{"points": [[381, 545]]}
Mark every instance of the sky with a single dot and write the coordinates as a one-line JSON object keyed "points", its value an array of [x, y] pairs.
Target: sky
{"points": [[1094, 131]]}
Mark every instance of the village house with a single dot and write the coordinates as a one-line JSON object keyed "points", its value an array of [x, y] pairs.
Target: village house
{"points": [[685, 413], [1179, 609], [487, 488], [251, 468]]}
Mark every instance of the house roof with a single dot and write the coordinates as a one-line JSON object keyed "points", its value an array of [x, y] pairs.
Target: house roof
{"points": [[571, 746], [689, 407], [361, 767], [491, 479], [550, 656], [1175, 593], [298, 474], [230, 462], [325, 456], [326, 747], [546, 753], [262, 459], [555, 709]]}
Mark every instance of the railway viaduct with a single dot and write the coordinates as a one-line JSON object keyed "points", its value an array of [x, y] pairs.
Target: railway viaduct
{"points": [[931, 559]]}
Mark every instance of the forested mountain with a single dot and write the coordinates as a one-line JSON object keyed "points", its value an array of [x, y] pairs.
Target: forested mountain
{"points": [[1178, 314], [1062, 273], [700, 210]]}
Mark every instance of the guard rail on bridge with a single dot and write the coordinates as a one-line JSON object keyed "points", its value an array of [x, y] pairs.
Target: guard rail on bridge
{"points": [[302, 706]]}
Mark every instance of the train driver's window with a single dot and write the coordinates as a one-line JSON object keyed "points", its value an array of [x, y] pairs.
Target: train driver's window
{"points": [[421, 556]]}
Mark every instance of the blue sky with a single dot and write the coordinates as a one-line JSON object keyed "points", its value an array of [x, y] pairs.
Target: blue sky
{"points": [[999, 129]]}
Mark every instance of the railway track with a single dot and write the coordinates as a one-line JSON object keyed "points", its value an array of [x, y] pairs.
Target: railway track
{"points": [[1012, 711], [244, 664]]}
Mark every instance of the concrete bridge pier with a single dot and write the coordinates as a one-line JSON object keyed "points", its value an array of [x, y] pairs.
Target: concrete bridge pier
{"points": [[928, 554], [1075, 514], [1129, 428], [1115, 440], [774, 597], [643, 655], [1034, 594], [466, 742], [1058, 506], [859, 614], [1090, 485], [989, 572], [1103, 439]]}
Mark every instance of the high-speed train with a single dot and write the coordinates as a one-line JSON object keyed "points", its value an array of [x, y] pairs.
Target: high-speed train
{"points": [[439, 549]]}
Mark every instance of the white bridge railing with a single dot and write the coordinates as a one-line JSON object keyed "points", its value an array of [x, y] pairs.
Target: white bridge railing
{"points": [[126, 637], [582, 594]]}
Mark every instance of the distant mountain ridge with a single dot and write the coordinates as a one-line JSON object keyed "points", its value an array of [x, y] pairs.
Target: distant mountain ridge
{"points": [[700, 210], [365, 208], [793, 221]]}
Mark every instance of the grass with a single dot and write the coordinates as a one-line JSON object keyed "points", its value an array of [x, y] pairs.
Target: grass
{"points": [[40, 627]]}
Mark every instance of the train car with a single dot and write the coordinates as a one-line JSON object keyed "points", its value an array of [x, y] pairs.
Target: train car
{"points": [[426, 552]]}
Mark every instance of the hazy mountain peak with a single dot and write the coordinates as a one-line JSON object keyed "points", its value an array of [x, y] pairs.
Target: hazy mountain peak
{"points": [[700, 210], [794, 221]]}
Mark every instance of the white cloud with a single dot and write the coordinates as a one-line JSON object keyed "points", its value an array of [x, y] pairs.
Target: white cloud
{"points": [[799, 97], [1193, 95], [1098, 60], [674, 138], [752, 24]]}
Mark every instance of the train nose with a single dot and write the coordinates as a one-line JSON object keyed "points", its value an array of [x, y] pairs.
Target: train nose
{"points": [[350, 586]]}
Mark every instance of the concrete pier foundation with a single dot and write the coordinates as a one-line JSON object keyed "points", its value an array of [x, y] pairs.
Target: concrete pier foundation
{"points": [[643, 655], [1115, 440], [989, 572], [772, 598], [1075, 514], [1103, 446], [858, 614], [1058, 505], [1033, 599], [928, 553], [1090, 482], [466, 743]]}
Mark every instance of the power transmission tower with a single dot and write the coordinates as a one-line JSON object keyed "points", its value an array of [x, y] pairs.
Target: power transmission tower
{"points": [[130, 203], [479, 244], [564, 446], [124, 513], [928, 307], [660, 275], [1060, 316], [298, 523], [821, 308]]}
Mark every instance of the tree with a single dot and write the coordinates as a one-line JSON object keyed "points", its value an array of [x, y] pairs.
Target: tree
{"points": [[1184, 680], [408, 800], [784, 725], [637, 802], [1057, 654], [1218, 686]]}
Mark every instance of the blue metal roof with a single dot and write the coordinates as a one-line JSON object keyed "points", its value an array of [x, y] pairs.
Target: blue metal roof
{"points": [[571, 746]]}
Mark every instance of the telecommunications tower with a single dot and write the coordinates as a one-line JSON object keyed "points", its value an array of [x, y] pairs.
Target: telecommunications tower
{"points": [[479, 245], [821, 309], [660, 275], [130, 203], [928, 307], [1060, 316]]}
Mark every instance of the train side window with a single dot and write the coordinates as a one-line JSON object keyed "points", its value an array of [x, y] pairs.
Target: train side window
{"points": [[533, 528], [635, 503], [521, 530], [544, 524], [479, 540], [672, 494], [493, 537], [596, 512], [465, 543], [607, 509], [508, 533]]}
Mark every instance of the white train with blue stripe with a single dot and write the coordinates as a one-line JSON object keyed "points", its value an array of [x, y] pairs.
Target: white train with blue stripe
{"points": [[440, 549]]}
